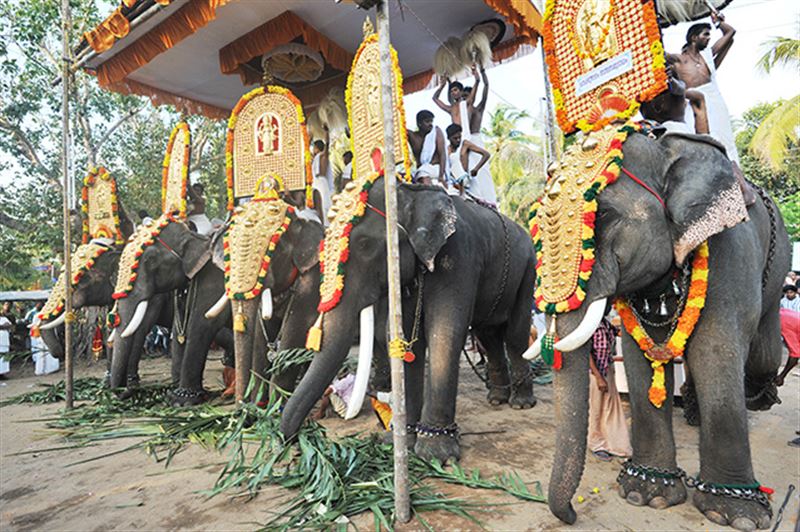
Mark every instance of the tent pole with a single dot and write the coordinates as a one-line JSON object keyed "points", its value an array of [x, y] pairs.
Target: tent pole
{"points": [[66, 24], [401, 497]]}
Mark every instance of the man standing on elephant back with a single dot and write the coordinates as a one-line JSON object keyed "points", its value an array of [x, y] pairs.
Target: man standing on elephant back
{"points": [[697, 68]]}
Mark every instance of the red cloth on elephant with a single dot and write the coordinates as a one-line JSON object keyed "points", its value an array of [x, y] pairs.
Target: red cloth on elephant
{"points": [[790, 330]]}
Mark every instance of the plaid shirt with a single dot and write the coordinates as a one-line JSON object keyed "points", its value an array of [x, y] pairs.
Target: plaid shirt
{"points": [[603, 346]]}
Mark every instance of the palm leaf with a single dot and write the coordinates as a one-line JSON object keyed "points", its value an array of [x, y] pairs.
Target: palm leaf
{"points": [[776, 133], [783, 51]]}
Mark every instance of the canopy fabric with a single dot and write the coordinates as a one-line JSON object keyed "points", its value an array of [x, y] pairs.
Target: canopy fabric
{"points": [[185, 53]]}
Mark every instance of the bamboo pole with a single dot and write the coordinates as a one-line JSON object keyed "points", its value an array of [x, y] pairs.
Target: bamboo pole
{"points": [[66, 24], [549, 120], [402, 504]]}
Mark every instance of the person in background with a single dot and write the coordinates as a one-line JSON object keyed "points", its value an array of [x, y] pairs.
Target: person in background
{"points": [[466, 161], [790, 299], [427, 145], [6, 326], [791, 278], [323, 176], [347, 171], [608, 430], [790, 330], [145, 217], [44, 362], [197, 219], [461, 103]]}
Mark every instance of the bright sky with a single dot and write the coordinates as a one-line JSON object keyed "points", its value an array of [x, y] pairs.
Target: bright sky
{"points": [[520, 82]]}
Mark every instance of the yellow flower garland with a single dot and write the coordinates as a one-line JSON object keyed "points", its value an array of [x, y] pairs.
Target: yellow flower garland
{"points": [[676, 344]]}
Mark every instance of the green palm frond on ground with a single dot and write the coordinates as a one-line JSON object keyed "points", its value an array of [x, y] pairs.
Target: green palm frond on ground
{"points": [[777, 134]]}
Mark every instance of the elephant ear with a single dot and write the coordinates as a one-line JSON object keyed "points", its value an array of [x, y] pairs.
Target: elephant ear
{"points": [[217, 249], [305, 244], [196, 253], [430, 219], [702, 196]]}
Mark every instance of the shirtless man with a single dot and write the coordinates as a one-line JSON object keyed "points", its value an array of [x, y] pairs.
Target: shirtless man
{"points": [[669, 107], [463, 169], [697, 67], [427, 145], [476, 116], [455, 95]]}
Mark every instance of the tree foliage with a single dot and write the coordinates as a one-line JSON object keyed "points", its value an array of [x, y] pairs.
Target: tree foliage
{"points": [[123, 133]]}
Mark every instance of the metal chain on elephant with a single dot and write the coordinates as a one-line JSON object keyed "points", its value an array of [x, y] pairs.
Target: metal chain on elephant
{"points": [[773, 232], [182, 322], [506, 265]]}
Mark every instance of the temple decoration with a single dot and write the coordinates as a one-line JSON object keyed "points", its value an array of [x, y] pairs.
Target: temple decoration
{"points": [[175, 171], [82, 260], [266, 136], [99, 207], [563, 221], [604, 58], [293, 63], [661, 354], [254, 232], [365, 110], [144, 237]]}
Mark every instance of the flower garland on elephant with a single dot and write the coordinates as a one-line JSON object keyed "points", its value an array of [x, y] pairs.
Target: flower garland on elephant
{"points": [[659, 355]]}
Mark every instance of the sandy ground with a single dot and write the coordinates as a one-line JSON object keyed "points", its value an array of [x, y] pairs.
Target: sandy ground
{"points": [[129, 491]]}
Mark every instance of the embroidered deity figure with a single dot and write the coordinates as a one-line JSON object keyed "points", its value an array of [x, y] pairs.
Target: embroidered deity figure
{"points": [[595, 32], [374, 102], [267, 135]]}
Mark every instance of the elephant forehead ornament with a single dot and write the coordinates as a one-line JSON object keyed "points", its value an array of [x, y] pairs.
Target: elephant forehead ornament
{"points": [[101, 229], [175, 171]]}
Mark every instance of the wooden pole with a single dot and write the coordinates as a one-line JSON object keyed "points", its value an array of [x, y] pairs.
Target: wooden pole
{"points": [[66, 24], [402, 505], [549, 119]]}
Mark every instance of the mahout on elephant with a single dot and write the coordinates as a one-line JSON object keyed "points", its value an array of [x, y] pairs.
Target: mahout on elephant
{"points": [[466, 265], [673, 195]]}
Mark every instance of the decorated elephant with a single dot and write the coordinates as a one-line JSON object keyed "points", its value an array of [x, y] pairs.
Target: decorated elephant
{"points": [[163, 256], [462, 264], [693, 273], [278, 301]]}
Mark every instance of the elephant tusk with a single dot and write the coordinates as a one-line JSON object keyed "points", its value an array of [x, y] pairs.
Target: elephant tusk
{"points": [[266, 304], [533, 351], [138, 316], [217, 307], [585, 329], [367, 334], [55, 323], [110, 339]]}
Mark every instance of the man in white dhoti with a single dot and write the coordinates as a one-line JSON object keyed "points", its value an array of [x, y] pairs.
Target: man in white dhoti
{"points": [[427, 145], [467, 165], [44, 362], [697, 68], [347, 170], [5, 344], [323, 177]]}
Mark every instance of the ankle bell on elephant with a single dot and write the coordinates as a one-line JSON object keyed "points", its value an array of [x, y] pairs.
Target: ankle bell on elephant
{"points": [[673, 194], [477, 264]]}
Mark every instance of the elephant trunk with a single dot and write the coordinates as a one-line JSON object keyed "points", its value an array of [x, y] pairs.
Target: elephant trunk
{"points": [[337, 337], [571, 413], [119, 362], [53, 341], [244, 314]]}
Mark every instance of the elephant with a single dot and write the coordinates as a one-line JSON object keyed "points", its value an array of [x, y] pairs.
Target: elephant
{"points": [[673, 193], [287, 304], [176, 256], [463, 264]]}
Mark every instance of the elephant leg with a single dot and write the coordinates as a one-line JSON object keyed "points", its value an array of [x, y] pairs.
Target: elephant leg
{"points": [[259, 365], [691, 410], [517, 335], [497, 365], [176, 351], [446, 325], [763, 362], [717, 366], [651, 436]]}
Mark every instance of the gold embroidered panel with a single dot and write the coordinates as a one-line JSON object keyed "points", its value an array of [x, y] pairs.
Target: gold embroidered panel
{"points": [[365, 110], [604, 58], [99, 208], [144, 236], [266, 135], [175, 177], [254, 226], [82, 260]]}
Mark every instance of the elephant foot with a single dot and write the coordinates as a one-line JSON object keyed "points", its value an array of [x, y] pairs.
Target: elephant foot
{"points": [[691, 408], [440, 443], [739, 513], [648, 486], [498, 394], [522, 394], [387, 437], [185, 397]]}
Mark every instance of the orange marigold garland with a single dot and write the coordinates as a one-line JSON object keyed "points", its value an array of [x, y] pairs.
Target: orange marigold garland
{"points": [[658, 355], [90, 179], [184, 128], [243, 101]]}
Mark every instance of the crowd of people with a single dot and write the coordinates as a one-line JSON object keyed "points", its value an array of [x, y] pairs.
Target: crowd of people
{"points": [[19, 332]]}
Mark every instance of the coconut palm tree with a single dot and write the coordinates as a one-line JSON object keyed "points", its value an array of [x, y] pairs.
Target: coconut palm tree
{"points": [[516, 162], [778, 133]]}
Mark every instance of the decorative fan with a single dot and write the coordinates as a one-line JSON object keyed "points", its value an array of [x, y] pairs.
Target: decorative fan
{"points": [[293, 63], [673, 11], [447, 61]]}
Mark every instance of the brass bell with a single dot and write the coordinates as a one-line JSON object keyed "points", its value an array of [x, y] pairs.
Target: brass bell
{"points": [[590, 143]]}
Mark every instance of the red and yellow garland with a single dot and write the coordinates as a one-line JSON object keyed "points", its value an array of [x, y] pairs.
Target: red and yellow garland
{"points": [[613, 162], [265, 261], [676, 344], [88, 181], [243, 101], [658, 67], [96, 250], [398, 90], [184, 127]]}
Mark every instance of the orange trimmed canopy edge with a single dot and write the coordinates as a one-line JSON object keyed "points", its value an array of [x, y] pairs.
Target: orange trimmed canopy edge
{"points": [[160, 97], [280, 30]]}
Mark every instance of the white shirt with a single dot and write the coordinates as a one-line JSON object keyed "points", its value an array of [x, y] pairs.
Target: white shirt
{"points": [[5, 337], [791, 304]]}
